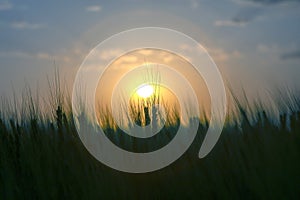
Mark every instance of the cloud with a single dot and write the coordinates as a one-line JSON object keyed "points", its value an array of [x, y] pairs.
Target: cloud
{"points": [[127, 59], [251, 10], [37, 56], [111, 53], [26, 25], [94, 8], [42, 55], [168, 59], [262, 48], [28, 55], [221, 55], [243, 17], [146, 52], [246, 15], [270, 2], [284, 53], [5, 6], [291, 55], [217, 54], [194, 4], [228, 23], [190, 48]]}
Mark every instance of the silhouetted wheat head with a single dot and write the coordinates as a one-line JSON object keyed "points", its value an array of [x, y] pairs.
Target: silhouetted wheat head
{"points": [[42, 157]]}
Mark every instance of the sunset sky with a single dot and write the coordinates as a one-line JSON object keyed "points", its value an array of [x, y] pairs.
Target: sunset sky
{"points": [[254, 43]]}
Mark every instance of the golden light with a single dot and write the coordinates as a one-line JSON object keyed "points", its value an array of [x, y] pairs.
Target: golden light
{"points": [[145, 91]]}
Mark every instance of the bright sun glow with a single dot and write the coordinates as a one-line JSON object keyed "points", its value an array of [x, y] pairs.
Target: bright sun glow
{"points": [[145, 91]]}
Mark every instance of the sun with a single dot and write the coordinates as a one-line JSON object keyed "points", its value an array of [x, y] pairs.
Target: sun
{"points": [[145, 91]]}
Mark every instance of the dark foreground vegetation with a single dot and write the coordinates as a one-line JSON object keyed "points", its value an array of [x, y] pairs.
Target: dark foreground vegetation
{"points": [[42, 158]]}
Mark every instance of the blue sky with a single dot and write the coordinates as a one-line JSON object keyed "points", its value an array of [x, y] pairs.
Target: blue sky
{"points": [[254, 43]]}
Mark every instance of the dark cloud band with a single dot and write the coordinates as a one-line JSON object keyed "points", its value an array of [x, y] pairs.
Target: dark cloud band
{"points": [[270, 2]]}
